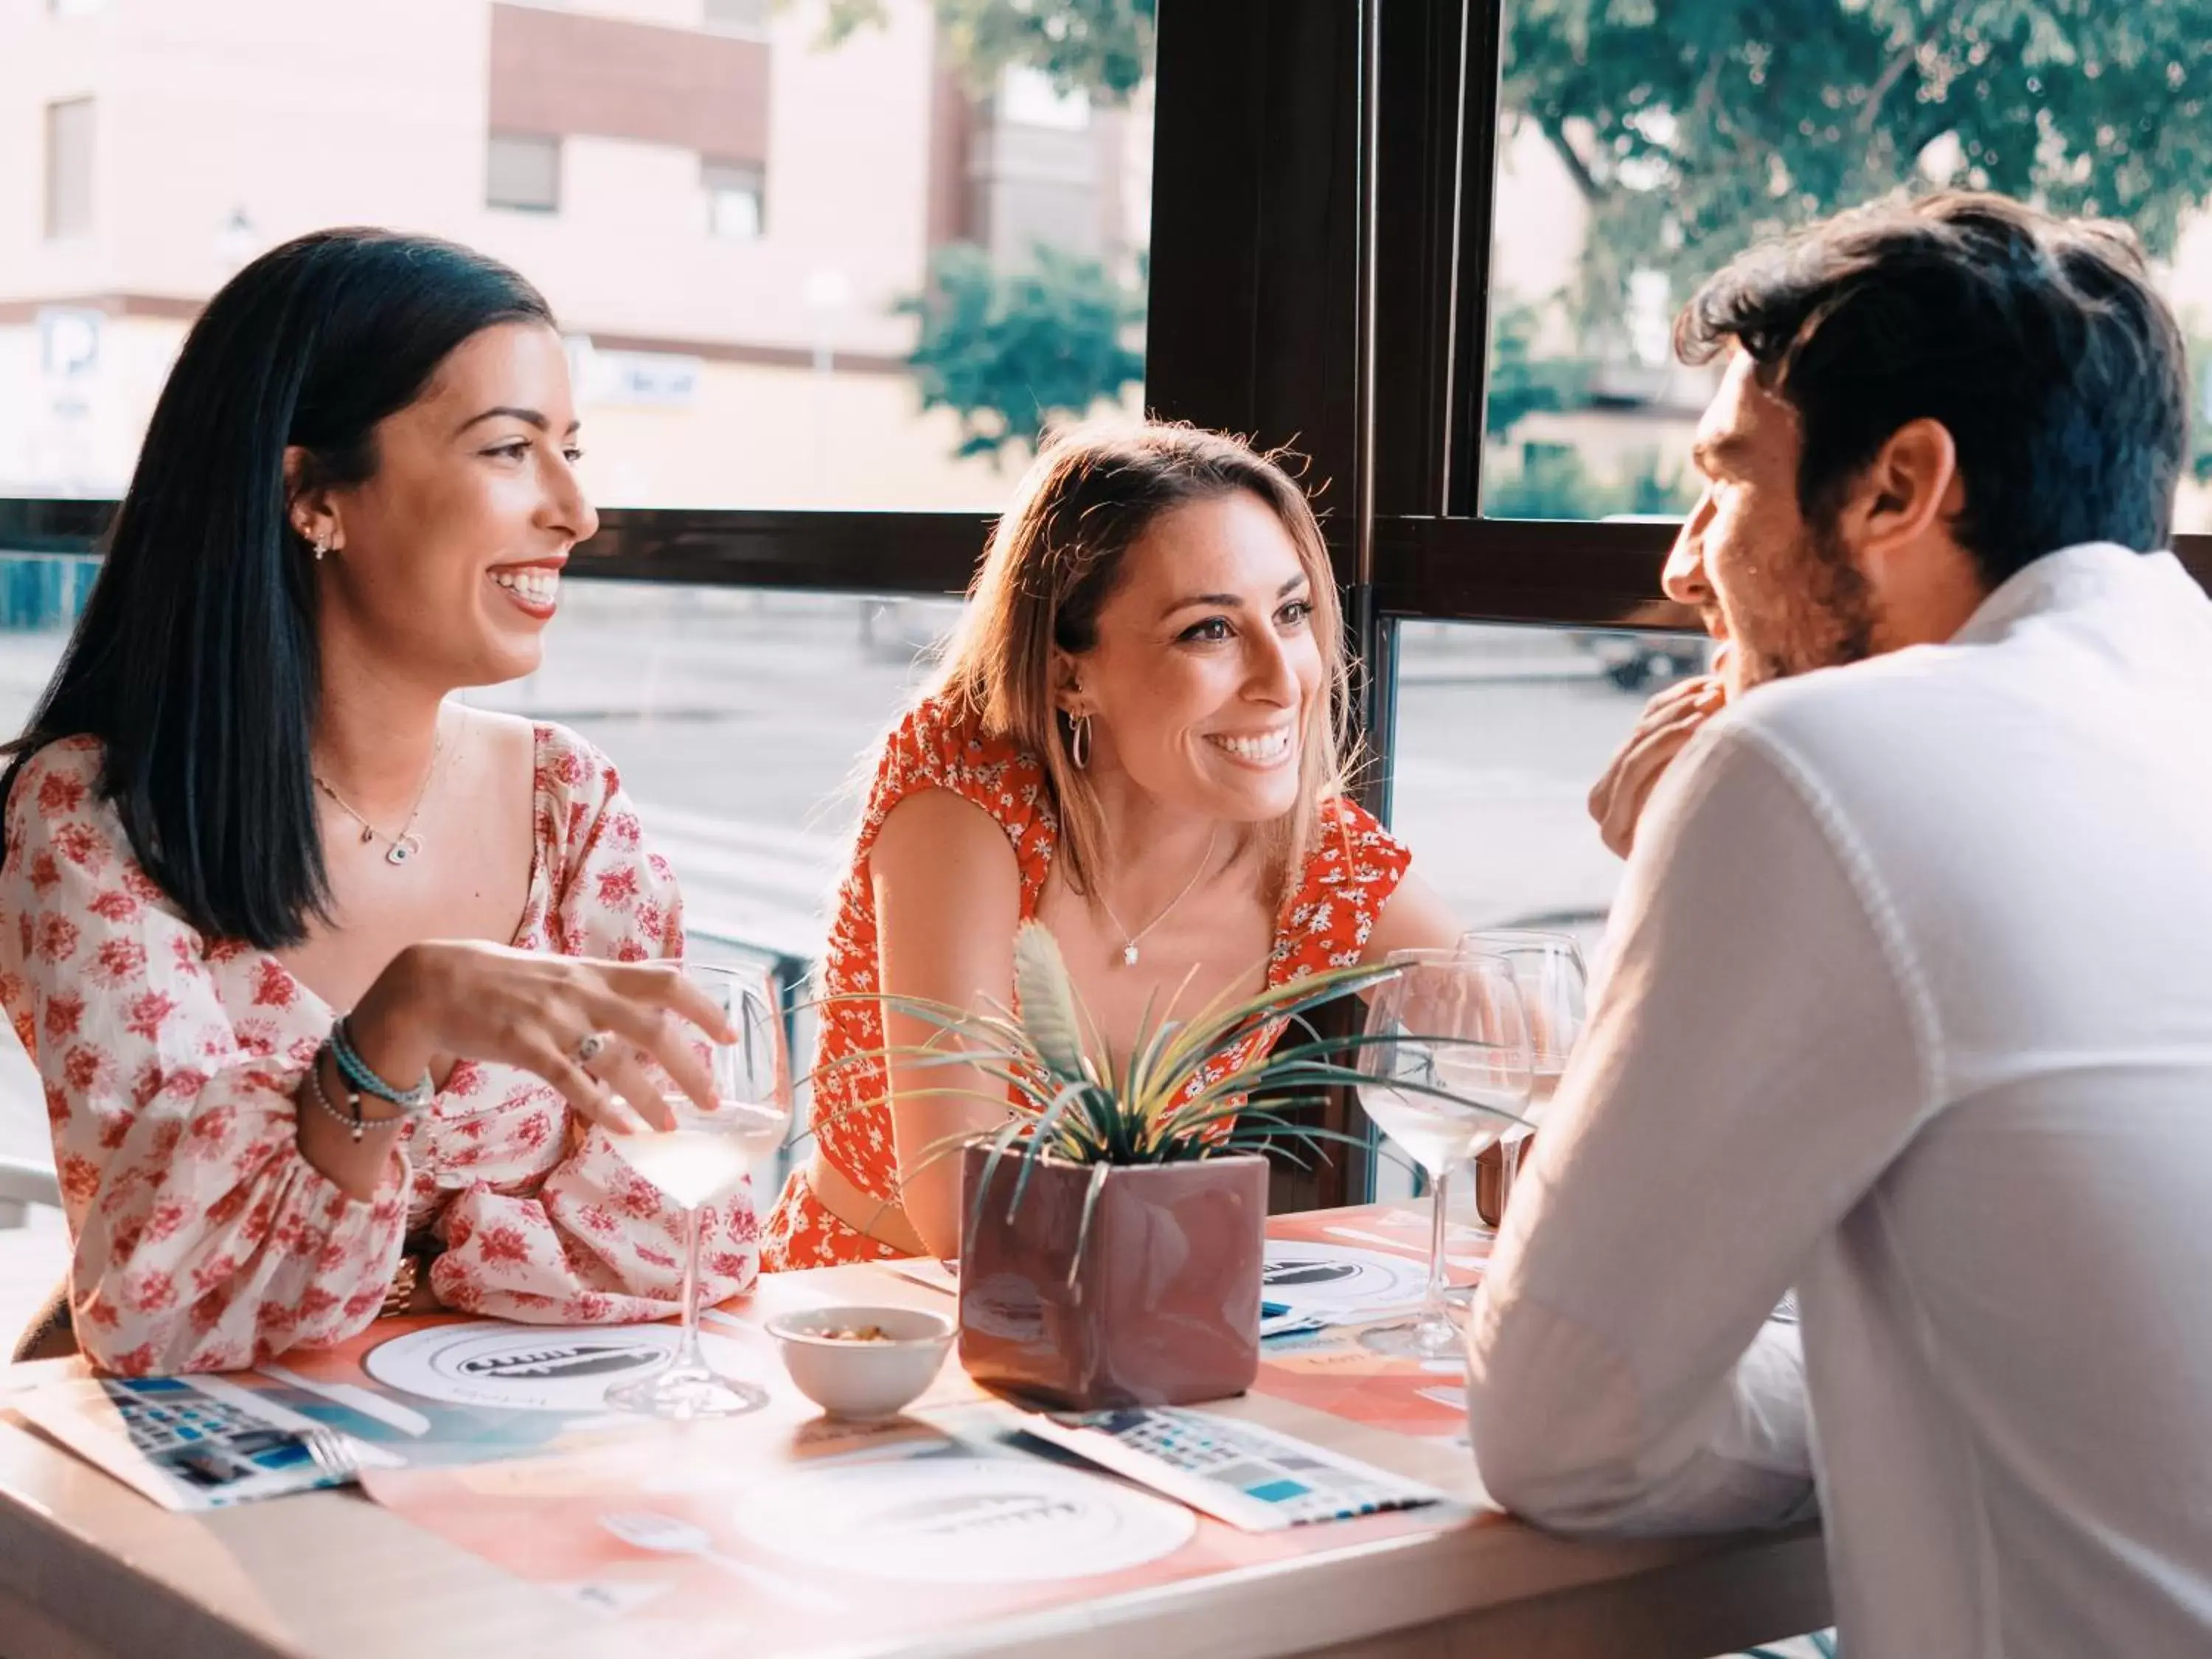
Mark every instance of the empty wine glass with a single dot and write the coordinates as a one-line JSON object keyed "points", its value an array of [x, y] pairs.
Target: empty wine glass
{"points": [[1554, 987], [1446, 1053], [705, 1158]]}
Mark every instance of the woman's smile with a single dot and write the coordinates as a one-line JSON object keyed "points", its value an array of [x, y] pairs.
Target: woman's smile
{"points": [[1262, 752], [532, 588]]}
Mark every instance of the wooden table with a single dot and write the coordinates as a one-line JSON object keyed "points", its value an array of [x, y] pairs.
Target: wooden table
{"points": [[88, 1567]]}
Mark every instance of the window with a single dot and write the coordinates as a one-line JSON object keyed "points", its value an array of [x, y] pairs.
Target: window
{"points": [[746, 17], [971, 237], [1636, 156], [1028, 98], [523, 172], [734, 193], [69, 169]]}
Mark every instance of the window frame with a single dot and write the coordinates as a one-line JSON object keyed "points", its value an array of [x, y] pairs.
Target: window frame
{"points": [[1321, 193]]}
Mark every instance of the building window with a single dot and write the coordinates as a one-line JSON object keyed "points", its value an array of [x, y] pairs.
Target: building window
{"points": [[523, 172], [69, 169], [1027, 98], [746, 17], [734, 191]]}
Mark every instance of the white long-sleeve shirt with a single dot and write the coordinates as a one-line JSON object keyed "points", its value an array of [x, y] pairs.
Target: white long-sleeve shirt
{"points": [[1909, 1005]]}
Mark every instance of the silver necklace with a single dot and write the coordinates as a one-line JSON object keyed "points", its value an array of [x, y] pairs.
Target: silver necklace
{"points": [[406, 844], [1129, 940]]}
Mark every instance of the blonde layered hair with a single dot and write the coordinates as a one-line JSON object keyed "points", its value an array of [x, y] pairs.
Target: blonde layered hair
{"points": [[1059, 555]]}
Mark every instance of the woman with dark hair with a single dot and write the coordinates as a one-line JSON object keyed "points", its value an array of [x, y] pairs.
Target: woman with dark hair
{"points": [[245, 805], [1138, 740]]}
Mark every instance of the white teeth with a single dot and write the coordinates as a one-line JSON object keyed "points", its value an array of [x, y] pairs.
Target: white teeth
{"points": [[1268, 746], [538, 586]]}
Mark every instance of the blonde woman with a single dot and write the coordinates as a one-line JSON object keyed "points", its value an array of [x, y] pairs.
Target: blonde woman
{"points": [[1137, 739]]}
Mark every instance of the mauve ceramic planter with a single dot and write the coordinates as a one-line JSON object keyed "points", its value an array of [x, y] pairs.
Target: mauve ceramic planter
{"points": [[1164, 1310]]}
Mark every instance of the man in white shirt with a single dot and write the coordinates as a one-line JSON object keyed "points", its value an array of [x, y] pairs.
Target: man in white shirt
{"points": [[1908, 1000]]}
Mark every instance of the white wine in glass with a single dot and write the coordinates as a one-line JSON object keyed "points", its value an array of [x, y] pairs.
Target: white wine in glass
{"points": [[1445, 1052], [706, 1157], [694, 1167]]}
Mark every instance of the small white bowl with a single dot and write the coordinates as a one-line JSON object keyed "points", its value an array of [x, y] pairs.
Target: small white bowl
{"points": [[862, 1382]]}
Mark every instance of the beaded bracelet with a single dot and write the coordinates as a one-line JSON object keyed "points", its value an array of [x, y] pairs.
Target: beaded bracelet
{"points": [[355, 1124], [358, 1072]]}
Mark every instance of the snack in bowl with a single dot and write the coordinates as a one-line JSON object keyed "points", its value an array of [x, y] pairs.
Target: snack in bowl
{"points": [[862, 1364]]}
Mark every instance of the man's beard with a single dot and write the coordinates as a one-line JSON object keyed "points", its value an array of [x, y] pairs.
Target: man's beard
{"points": [[1816, 610]]}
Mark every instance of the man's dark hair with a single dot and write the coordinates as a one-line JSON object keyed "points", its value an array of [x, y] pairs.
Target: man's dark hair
{"points": [[2037, 342], [195, 662]]}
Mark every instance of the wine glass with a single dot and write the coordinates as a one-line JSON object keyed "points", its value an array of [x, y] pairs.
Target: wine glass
{"points": [[1554, 985], [705, 1158], [1446, 1053]]}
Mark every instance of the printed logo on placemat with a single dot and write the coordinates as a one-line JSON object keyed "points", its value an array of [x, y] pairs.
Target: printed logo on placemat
{"points": [[521, 1367]]}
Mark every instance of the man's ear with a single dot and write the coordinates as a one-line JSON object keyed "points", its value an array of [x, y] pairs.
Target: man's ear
{"points": [[1912, 489]]}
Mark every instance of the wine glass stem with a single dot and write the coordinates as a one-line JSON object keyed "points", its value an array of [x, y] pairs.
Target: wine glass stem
{"points": [[1435, 1310], [689, 1355]]}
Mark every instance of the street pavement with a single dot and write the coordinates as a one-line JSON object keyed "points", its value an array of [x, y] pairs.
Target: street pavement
{"points": [[742, 722]]}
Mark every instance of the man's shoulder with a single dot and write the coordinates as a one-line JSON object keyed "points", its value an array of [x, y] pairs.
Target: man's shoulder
{"points": [[1914, 702], [1889, 737]]}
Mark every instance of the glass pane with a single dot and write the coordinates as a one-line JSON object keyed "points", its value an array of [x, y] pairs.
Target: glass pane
{"points": [[523, 172], [69, 167], [739, 16], [1642, 146], [1501, 732], [842, 257], [740, 721], [40, 600], [734, 189]]}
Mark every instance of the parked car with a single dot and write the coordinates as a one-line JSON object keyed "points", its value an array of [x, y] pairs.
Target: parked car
{"points": [[1647, 662]]}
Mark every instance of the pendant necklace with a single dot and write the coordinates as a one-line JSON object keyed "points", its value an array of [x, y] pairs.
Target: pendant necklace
{"points": [[1129, 940], [406, 844]]}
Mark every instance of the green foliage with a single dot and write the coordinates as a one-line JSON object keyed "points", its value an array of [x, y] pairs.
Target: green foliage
{"points": [[1101, 47], [1695, 127], [1007, 351], [1184, 1094], [1554, 483], [1522, 383]]}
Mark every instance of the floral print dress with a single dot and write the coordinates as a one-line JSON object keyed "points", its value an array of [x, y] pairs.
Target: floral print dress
{"points": [[202, 1239], [1354, 868]]}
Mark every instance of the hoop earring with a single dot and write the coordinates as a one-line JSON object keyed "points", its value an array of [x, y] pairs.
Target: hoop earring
{"points": [[1078, 741]]}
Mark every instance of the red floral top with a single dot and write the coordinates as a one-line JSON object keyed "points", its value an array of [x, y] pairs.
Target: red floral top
{"points": [[1324, 923], [203, 1239]]}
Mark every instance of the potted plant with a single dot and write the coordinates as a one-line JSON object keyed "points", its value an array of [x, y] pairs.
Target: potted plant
{"points": [[1115, 1229]]}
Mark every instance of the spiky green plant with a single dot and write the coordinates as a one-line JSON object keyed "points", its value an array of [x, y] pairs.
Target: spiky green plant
{"points": [[1068, 1104]]}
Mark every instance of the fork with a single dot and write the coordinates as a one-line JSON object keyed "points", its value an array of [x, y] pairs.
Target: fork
{"points": [[333, 1453]]}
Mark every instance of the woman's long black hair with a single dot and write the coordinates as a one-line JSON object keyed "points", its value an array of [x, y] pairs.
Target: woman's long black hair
{"points": [[195, 662]]}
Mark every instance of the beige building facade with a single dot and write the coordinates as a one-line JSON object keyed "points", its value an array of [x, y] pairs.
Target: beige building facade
{"points": [[723, 210]]}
